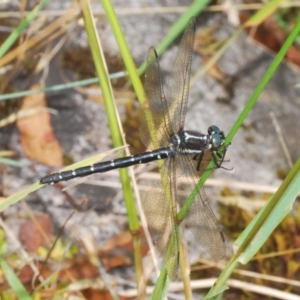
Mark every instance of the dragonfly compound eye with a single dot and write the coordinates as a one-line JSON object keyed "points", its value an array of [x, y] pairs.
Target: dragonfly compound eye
{"points": [[216, 140], [213, 129]]}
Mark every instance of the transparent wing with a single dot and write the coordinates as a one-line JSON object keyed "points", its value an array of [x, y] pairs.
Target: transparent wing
{"points": [[154, 109], [178, 86], [161, 219], [200, 217], [165, 115]]}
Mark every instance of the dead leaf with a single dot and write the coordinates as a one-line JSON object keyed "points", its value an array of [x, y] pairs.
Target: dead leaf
{"points": [[271, 35], [93, 294], [79, 268], [36, 232], [37, 137], [118, 250]]}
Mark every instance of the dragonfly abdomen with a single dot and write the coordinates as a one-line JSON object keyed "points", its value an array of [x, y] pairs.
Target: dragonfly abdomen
{"points": [[101, 167]]}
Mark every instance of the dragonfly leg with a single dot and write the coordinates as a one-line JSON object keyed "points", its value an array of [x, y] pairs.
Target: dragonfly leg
{"points": [[219, 159], [200, 158]]}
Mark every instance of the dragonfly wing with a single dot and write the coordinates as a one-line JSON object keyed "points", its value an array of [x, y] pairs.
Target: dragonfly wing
{"points": [[160, 215], [178, 86], [165, 115], [154, 108], [199, 217]]}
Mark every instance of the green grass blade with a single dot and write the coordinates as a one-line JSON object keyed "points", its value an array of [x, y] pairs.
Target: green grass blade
{"points": [[265, 222], [104, 81], [169, 262], [16, 197], [255, 20], [102, 73], [12, 162], [160, 289], [14, 281], [124, 49], [58, 87], [287, 190], [16, 32], [134, 77], [128, 60], [261, 227], [113, 122], [264, 81], [267, 10]]}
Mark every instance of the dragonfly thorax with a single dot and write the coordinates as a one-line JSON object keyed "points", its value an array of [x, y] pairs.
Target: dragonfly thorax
{"points": [[194, 142]]}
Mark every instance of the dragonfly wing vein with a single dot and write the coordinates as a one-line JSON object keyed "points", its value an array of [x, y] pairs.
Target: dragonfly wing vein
{"points": [[154, 113], [178, 86], [161, 218], [199, 218]]}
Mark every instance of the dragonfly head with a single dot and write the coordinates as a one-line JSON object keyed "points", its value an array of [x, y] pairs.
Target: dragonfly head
{"points": [[216, 137]]}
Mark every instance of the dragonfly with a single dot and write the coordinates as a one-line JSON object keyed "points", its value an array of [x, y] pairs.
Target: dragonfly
{"points": [[182, 153]]}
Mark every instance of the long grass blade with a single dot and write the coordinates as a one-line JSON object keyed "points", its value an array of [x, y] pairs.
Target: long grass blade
{"points": [[14, 281], [18, 31], [113, 122], [266, 220]]}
